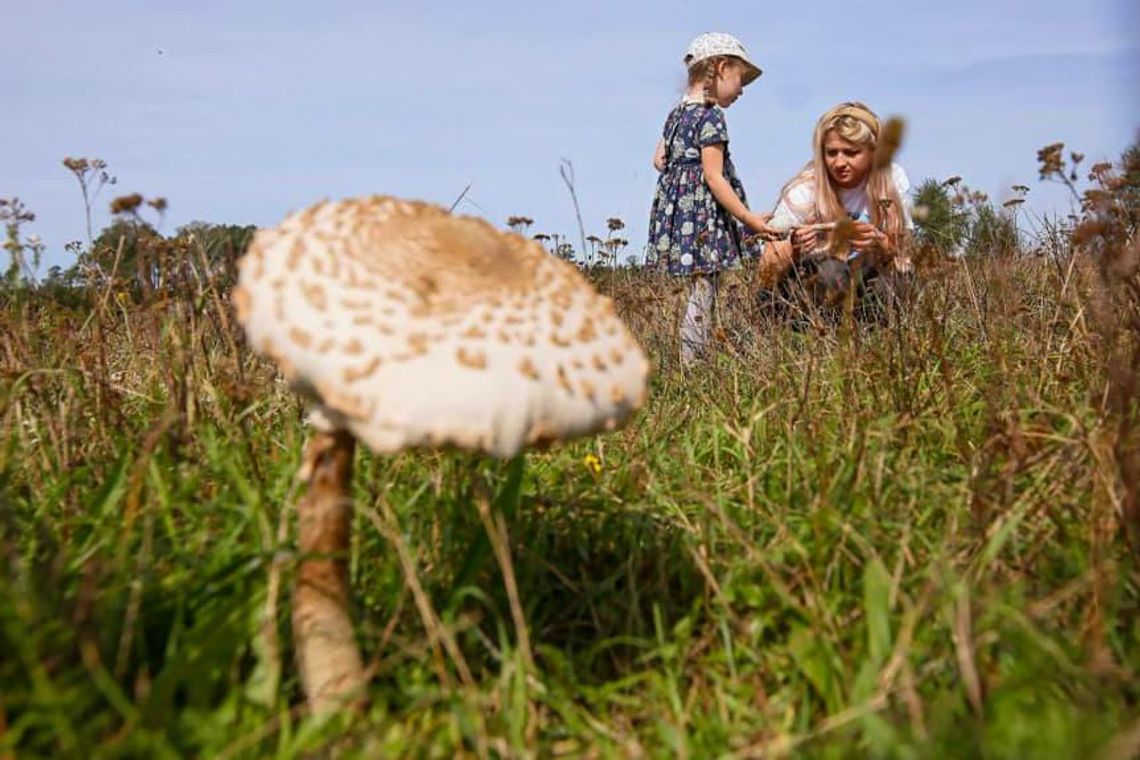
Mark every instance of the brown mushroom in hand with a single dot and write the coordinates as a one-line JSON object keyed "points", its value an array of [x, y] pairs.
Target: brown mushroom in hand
{"points": [[409, 327]]}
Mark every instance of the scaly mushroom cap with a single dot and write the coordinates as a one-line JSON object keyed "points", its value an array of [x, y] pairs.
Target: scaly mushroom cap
{"points": [[413, 327]]}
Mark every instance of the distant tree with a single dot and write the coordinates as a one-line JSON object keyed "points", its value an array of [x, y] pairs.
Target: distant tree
{"points": [[120, 253], [991, 233], [941, 226], [952, 219], [221, 245], [64, 287]]}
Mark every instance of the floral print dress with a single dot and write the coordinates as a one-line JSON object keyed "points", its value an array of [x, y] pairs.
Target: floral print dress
{"points": [[689, 231]]}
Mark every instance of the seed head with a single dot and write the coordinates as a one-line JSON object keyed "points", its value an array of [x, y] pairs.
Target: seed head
{"points": [[840, 243], [1051, 160], [126, 204], [890, 140]]}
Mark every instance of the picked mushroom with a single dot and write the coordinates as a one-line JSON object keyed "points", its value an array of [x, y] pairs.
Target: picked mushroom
{"points": [[409, 327]]}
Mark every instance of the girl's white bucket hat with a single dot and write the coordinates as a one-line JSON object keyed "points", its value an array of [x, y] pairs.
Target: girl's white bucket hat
{"points": [[717, 43]]}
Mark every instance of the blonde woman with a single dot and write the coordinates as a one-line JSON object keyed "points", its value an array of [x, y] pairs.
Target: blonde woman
{"points": [[841, 181]]}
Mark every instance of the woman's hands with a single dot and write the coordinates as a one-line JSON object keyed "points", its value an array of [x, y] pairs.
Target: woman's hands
{"points": [[866, 237], [859, 236], [806, 240]]}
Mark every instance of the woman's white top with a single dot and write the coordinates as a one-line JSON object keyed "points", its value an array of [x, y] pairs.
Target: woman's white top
{"points": [[797, 206]]}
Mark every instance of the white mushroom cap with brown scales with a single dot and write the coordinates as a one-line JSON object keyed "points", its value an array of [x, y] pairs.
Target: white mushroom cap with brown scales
{"points": [[412, 327]]}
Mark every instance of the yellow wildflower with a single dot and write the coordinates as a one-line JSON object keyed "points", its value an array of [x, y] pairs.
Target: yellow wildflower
{"points": [[593, 464]]}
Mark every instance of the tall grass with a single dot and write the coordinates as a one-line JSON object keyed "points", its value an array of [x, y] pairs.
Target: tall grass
{"points": [[901, 540]]}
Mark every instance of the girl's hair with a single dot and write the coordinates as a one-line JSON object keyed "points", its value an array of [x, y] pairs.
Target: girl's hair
{"points": [[857, 123], [704, 73]]}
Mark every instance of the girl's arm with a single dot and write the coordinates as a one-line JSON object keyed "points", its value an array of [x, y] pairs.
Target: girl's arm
{"points": [[659, 155], [712, 161]]}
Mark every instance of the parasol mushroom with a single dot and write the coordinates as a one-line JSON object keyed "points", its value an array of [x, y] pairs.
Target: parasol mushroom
{"points": [[408, 327]]}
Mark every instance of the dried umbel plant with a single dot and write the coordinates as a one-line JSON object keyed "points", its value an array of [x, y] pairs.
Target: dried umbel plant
{"points": [[92, 175], [129, 205], [1051, 159], [519, 223], [1107, 232], [13, 215], [126, 204]]}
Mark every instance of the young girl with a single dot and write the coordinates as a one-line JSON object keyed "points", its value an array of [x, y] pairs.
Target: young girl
{"points": [[700, 216], [842, 181]]}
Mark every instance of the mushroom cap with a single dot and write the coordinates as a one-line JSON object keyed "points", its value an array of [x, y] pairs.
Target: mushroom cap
{"points": [[412, 327]]}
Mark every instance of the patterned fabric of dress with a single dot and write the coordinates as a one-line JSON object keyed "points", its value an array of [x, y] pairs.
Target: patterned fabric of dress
{"points": [[689, 231]]}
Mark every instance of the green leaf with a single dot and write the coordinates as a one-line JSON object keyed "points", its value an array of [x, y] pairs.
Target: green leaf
{"points": [[877, 609]]}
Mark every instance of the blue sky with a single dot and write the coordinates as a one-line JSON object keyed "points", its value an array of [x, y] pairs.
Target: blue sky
{"points": [[240, 112]]}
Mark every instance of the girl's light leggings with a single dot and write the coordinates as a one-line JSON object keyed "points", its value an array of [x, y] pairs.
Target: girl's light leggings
{"points": [[697, 324]]}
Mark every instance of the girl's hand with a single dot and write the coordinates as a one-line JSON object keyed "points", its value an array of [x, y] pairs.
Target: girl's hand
{"points": [[758, 223]]}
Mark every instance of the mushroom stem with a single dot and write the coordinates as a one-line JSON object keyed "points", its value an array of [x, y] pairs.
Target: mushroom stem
{"points": [[331, 668]]}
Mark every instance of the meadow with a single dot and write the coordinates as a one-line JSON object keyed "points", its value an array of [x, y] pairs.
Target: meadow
{"points": [[914, 538]]}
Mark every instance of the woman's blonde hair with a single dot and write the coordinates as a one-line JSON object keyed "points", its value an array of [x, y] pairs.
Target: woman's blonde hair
{"points": [[857, 123]]}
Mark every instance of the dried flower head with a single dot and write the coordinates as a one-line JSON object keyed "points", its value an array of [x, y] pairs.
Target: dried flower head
{"points": [[890, 140], [126, 204], [840, 243], [1051, 160], [1100, 171], [1089, 230]]}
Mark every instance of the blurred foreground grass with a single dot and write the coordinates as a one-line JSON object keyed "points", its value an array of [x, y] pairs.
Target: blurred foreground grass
{"points": [[903, 541]]}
